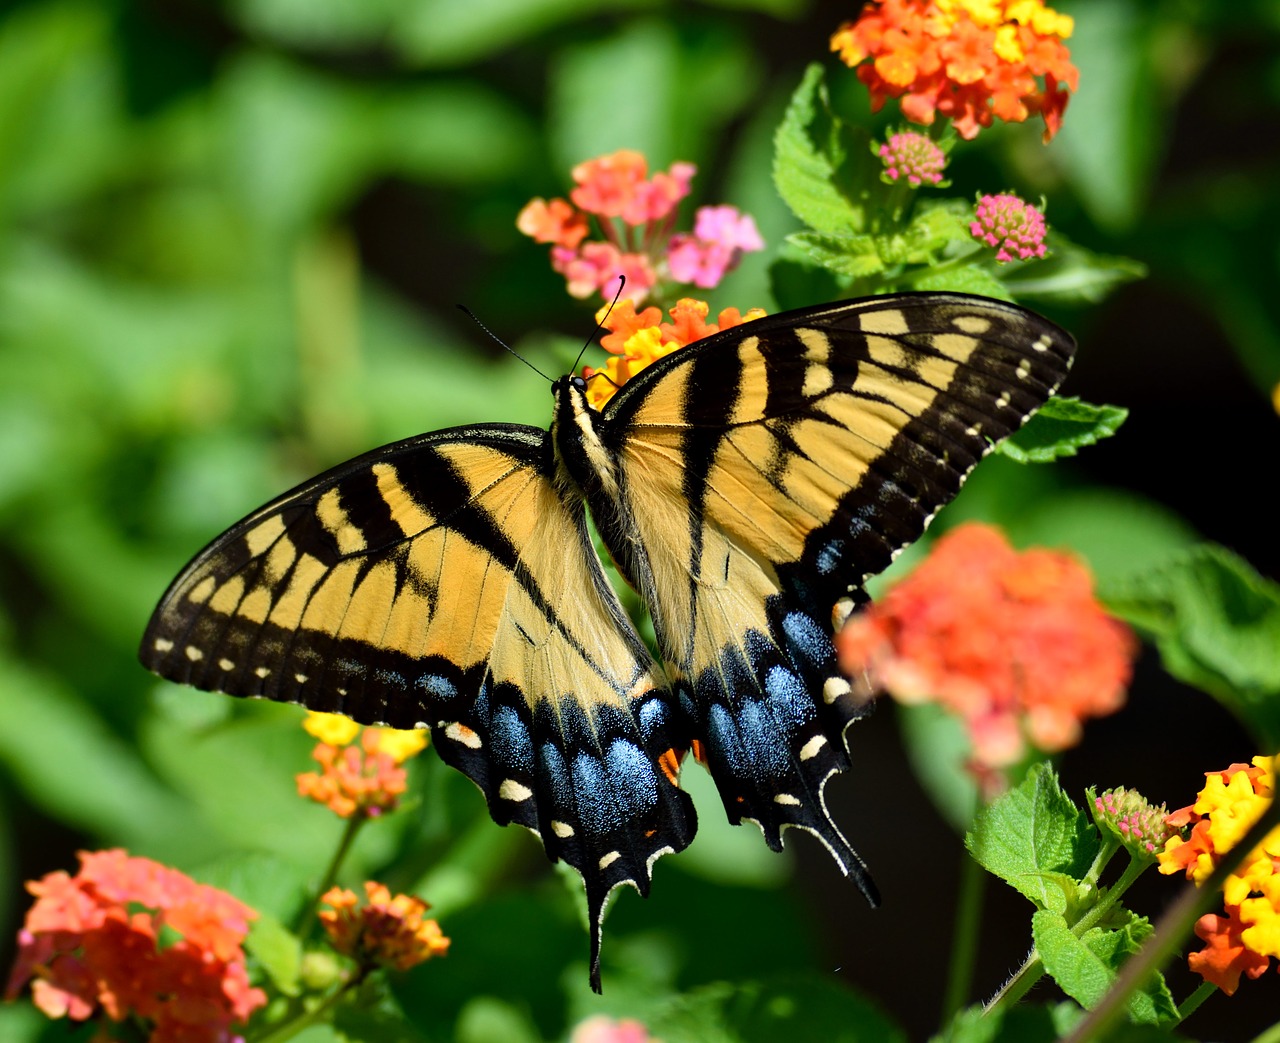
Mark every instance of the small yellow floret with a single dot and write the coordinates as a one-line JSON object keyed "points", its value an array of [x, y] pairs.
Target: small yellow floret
{"points": [[331, 728], [1007, 46], [401, 745]]}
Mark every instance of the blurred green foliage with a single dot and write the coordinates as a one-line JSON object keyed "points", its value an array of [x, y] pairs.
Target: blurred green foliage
{"points": [[231, 239]]}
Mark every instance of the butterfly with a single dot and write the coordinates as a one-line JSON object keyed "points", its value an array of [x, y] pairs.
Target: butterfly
{"points": [[746, 486]]}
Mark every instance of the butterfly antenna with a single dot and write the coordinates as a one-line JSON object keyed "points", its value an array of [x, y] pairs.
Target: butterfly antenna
{"points": [[471, 315], [622, 282]]}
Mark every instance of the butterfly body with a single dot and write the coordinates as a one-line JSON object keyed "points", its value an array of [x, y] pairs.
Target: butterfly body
{"points": [[745, 486]]}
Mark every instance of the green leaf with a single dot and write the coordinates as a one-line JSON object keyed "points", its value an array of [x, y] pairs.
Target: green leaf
{"points": [[797, 280], [278, 950], [1060, 428], [1071, 274], [783, 1007], [842, 253], [934, 226], [1118, 533], [811, 161], [1086, 967], [487, 1018], [1034, 838], [939, 747], [1216, 622], [969, 278]]}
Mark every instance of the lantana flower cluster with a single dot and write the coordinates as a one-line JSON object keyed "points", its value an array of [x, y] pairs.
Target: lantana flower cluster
{"points": [[1013, 228], [972, 61], [1244, 937], [634, 218], [638, 339], [912, 157], [385, 931], [1133, 820], [357, 780], [1013, 643], [129, 939]]}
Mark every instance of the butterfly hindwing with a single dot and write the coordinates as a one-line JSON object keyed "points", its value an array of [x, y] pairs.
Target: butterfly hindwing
{"points": [[444, 582], [803, 452]]}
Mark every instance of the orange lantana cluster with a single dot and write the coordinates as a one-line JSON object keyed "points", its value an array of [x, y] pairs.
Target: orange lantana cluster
{"points": [[131, 940], [638, 339], [365, 779], [1244, 938], [387, 931], [1013, 643], [970, 60]]}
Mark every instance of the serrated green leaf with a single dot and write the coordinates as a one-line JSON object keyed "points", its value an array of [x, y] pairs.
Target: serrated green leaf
{"points": [[969, 278], [845, 254], [1216, 622], [933, 227], [1086, 967], [1034, 835], [1060, 428], [812, 161]]}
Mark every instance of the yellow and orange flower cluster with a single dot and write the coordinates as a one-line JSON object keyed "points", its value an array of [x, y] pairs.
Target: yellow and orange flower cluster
{"points": [[638, 339], [365, 780], [387, 931], [1013, 643], [129, 940], [970, 60], [1247, 935]]}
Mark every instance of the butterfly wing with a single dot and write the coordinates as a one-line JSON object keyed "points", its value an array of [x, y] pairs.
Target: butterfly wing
{"points": [[444, 582], [805, 451]]}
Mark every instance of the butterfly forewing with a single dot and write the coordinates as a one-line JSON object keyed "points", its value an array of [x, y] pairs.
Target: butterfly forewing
{"points": [[445, 583], [803, 453]]}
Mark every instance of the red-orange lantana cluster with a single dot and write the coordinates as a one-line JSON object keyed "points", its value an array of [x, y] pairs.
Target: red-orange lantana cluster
{"points": [[128, 939], [970, 60], [1012, 642]]}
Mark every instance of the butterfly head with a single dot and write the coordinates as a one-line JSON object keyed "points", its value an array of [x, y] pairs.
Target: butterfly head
{"points": [[577, 430]]}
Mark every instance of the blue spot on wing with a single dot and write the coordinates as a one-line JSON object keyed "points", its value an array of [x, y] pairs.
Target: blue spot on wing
{"points": [[438, 686], [807, 637], [510, 738]]}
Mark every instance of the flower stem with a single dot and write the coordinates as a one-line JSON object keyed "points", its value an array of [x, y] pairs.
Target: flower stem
{"points": [[1192, 1003], [307, 917], [309, 1017], [964, 941]]}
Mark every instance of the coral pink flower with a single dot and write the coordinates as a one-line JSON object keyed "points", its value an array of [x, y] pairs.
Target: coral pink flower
{"points": [[1013, 643], [102, 942], [635, 215]]}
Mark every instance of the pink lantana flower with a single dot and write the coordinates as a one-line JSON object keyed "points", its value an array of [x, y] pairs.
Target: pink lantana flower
{"points": [[721, 234], [1014, 228], [634, 214]]}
